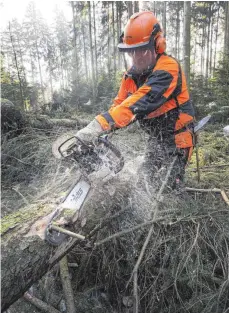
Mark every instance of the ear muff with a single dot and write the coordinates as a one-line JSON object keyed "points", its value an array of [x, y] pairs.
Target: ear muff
{"points": [[160, 44]]}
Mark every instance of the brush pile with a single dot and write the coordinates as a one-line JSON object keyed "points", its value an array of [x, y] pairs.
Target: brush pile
{"points": [[184, 267]]}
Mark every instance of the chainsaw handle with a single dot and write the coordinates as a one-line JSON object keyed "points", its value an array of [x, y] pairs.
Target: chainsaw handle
{"points": [[116, 152]]}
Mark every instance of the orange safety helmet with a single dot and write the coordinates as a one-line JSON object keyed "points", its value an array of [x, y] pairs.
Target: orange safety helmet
{"points": [[142, 30]]}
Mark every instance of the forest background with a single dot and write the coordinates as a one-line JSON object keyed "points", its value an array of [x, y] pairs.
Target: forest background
{"points": [[70, 62]]}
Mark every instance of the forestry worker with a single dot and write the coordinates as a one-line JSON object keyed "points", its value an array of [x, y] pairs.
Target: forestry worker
{"points": [[153, 92]]}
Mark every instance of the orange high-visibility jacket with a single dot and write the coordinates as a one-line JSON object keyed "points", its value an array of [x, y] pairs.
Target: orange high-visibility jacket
{"points": [[164, 89]]}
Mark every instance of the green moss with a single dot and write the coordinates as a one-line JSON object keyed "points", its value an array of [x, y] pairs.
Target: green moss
{"points": [[22, 216]]}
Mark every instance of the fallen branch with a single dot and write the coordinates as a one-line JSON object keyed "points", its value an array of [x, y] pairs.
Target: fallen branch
{"points": [[41, 305], [67, 287], [215, 190], [210, 167]]}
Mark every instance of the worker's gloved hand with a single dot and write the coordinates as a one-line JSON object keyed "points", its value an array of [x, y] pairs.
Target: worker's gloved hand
{"points": [[90, 133]]}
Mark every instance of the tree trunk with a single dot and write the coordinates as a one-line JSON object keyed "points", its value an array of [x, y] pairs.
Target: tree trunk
{"points": [[108, 40], [114, 44], [178, 32], [23, 69], [26, 256], [164, 18], [84, 52], [75, 58], [13, 121], [136, 6], [211, 45], [95, 41], [187, 21], [91, 53], [17, 68], [130, 8], [202, 51], [118, 21], [216, 40], [44, 122], [208, 43], [226, 36]]}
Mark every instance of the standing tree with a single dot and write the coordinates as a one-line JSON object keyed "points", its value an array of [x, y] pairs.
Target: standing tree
{"points": [[187, 21], [226, 36]]}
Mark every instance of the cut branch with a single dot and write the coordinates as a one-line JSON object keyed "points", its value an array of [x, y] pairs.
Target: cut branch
{"points": [[41, 305], [214, 190], [67, 286]]}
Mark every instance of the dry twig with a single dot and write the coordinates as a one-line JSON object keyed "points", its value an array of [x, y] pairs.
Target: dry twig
{"points": [[67, 287]]}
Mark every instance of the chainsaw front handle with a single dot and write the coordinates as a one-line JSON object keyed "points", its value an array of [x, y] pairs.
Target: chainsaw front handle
{"points": [[115, 151]]}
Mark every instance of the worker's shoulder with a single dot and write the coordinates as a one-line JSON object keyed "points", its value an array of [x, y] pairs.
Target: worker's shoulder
{"points": [[167, 63]]}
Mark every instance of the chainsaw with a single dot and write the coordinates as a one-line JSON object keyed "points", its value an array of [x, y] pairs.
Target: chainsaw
{"points": [[103, 158]]}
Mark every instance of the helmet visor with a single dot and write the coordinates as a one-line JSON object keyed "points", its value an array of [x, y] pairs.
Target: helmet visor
{"points": [[140, 59], [123, 47]]}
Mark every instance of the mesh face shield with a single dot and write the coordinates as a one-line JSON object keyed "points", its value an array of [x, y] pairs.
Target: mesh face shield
{"points": [[140, 58]]}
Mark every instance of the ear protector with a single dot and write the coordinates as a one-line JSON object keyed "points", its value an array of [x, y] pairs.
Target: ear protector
{"points": [[159, 39]]}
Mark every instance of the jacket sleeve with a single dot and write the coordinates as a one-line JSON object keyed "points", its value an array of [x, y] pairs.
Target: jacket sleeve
{"points": [[122, 93], [148, 98]]}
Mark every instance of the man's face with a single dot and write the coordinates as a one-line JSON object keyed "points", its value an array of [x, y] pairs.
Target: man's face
{"points": [[142, 59]]}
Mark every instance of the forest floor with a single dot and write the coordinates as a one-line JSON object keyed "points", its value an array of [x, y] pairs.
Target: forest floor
{"points": [[185, 268]]}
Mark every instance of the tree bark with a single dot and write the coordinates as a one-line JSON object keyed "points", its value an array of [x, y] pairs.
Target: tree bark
{"points": [[26, 256]]}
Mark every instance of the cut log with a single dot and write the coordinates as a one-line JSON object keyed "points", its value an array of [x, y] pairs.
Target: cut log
{"points": [[45, 122], [13, 121], [26, 257]]}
